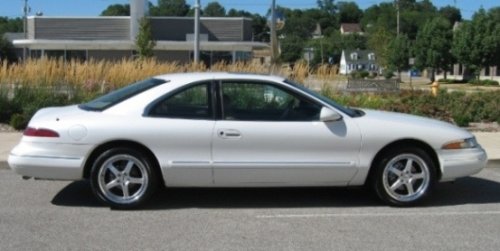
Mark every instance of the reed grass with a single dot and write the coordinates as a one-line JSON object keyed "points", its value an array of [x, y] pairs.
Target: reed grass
{"points": [[103, 75]]}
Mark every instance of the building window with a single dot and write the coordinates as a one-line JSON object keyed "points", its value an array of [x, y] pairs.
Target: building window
{"points": [[67, 55], [354, 56], [487, 71], [371, 56]]}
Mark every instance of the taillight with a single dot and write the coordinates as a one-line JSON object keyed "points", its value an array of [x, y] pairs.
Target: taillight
{"points": [[40, 132]]}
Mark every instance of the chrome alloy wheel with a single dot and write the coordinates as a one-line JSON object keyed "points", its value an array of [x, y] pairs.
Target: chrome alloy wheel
{"points": [[406, 177], [123, 179]]}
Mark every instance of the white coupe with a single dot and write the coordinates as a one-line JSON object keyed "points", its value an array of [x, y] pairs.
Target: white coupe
{"points": [[239, 130]]}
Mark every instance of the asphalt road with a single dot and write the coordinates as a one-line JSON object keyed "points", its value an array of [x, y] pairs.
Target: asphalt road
{"points": [[56, 215]]}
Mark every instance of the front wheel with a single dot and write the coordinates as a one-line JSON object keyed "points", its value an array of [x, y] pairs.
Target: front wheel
{"points": [[123, 178], [404, 176]]}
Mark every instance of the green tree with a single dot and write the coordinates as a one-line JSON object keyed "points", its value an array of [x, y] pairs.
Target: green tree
{"points": [[260, 29], [451, 13], [399, 53], [144, 41], [476, 44], [381, 16], [176, 8], [494, 14], [117, 10], [298, 23], [353, 41], [349, 12], [327, 6], [413, 15], [291, 48], [214, 9], [6, 50], [10, 25], [433, 45], [378, 41], [239, 13]]}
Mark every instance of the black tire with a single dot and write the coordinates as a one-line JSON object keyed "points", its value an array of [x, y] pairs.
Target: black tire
{"points": [[123, 178], [403, 176]]}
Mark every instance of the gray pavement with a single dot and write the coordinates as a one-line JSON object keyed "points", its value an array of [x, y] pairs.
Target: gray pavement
{"points": [[489, 140], [62, 215]]}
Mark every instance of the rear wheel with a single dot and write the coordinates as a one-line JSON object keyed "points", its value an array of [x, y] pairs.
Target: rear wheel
{"points": [[404, 176], [123, 178]]}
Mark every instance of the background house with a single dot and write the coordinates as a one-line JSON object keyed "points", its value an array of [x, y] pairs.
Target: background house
{"points": [[350, 28], [358, 60]]}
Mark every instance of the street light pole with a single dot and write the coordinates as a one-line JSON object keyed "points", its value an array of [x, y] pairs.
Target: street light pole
{"points": [[25, 26], [274, 37], [397, 13], [197, 32]]}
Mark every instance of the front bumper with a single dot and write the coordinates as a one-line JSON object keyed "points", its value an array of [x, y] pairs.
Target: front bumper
{"points": [[48, 161], [461, 163]]}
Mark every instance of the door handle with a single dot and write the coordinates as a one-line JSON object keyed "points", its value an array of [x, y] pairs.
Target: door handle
{"points": [[229, 133]]}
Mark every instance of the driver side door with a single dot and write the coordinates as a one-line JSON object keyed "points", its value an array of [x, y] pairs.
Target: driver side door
{"points": [[270, 135]]}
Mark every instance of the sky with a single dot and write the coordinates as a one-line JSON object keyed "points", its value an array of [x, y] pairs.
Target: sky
{"points": [[14, 8]]}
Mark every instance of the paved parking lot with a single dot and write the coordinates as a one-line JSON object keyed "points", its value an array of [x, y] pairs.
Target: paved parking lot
{"points": [[60, 215]]}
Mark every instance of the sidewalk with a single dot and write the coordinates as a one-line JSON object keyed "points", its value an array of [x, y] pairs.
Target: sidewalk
{"points": [[489, 140]]}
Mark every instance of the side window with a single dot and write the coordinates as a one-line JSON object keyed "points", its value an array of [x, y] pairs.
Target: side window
{"points": [[191, 103], [265, 102]]}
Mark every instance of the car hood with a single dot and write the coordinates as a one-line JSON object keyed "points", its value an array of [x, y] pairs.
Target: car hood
{"points": [[394, 126]]}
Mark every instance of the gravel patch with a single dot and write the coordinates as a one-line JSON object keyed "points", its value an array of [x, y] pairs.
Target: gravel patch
{"points": [[6, 128], [484, 127]]}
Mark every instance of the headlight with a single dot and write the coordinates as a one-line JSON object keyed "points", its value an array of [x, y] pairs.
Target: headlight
{"points": [[461, 144]]}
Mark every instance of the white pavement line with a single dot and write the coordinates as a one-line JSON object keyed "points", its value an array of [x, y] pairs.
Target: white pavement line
{"points": [[377, 214]]}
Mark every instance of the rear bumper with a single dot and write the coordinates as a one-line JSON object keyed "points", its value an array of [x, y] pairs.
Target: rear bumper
{"points": [[46, 167], [461, 163], [48, 161]]}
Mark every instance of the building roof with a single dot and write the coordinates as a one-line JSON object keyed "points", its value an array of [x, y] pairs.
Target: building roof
{"points": [[350, 28], [362, 57]]}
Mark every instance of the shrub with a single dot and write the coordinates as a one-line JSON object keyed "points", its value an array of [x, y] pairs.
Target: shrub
{"points": [[451, 81], [18, 121], [486, 82], [28, 100], [388, 73], [457, 107], [6, 109], [359, 74]]}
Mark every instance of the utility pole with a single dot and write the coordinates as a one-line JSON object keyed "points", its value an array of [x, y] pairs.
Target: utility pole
{"points": [[25, 26], [397, 13], [274, 37], [197, 32]]}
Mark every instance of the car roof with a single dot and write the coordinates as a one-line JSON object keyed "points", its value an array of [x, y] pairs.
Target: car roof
{"points": [[199, 76]]}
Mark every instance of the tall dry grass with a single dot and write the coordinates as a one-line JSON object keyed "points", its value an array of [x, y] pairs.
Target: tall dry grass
{"points": [[95, 75]]}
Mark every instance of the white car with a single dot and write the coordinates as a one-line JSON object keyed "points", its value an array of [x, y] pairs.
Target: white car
{"points": [[239, 130]]}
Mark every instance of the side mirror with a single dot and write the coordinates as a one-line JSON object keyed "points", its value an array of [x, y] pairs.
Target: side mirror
{"points": [[328, 115]]}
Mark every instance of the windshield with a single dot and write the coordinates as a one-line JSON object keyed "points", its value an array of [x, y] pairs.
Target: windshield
{"points": [[117, 96], [349, 112]]}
